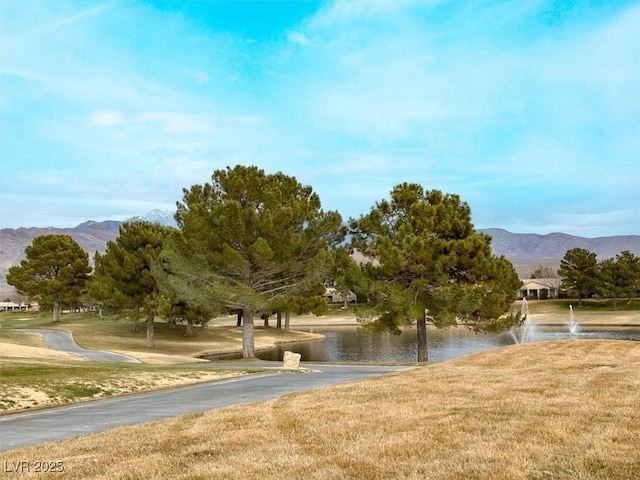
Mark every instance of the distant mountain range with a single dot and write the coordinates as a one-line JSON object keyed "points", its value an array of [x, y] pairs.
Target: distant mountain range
{"points": [[527, 251], [553, 246], [90, 235]]}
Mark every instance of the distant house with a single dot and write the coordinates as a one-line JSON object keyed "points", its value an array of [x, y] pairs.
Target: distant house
{"points": [[13, 307], [539, 288], [335, 296]]}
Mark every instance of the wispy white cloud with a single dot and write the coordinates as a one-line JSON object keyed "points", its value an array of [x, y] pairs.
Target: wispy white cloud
{"points": [[298, 38], [178, 123], [337, 14], [106, 118]]}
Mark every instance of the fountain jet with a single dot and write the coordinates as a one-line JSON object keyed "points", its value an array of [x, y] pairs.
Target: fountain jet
{"points": [[572, 323], [524, 332]]}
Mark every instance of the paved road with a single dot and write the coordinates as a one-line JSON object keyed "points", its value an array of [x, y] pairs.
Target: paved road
{"points": [[63, 341], [58, 423]]}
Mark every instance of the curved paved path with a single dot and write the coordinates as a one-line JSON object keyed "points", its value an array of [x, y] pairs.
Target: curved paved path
{"points": [[57, 423], [62, 340], [28, 428]]}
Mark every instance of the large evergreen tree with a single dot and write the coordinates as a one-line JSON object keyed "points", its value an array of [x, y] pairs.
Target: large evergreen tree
{"points": [[427, 260], [54, 272], [619, 277], [251, 241], [578, 270], [123, 273]]}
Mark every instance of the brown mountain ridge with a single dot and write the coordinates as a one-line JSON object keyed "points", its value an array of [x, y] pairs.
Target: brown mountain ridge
{"points": [[527, 251]]}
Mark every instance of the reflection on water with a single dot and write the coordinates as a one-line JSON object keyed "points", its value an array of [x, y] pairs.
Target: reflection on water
{"points": [[347, 344]]}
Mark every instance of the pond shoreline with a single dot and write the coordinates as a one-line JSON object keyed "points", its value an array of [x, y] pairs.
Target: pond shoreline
{"points": [[348, 343]]}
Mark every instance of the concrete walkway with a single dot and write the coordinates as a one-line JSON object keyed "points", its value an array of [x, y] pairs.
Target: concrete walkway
{"points": [[62, 340]]}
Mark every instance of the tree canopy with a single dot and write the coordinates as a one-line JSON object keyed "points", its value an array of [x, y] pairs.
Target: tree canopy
{"points": [[619, 277], [54, 272], [123, 273], [578, 270], [251, 241], [427, 259]]}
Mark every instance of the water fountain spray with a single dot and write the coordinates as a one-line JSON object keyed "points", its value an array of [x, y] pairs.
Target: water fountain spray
{"points": [[572, 323], [524, 332]]}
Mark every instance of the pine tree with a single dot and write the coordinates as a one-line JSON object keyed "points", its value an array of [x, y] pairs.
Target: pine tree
{"points": [[251, 241], [54, 272], [578, 270], [428, 261], [619, 277], [123, 273]]}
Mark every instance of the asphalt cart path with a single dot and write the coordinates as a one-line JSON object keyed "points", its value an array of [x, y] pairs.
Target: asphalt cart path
{"points": [[62, 341], [46, 425]]}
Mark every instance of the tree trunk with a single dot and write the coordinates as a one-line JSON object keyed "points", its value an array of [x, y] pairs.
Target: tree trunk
{"points": [[189, 328], [265, 317], [248, 350], [239, 320], [135, 325], [57, 310], [615, 303], [286, 321], [150, 337], [422, 338], [279, 319]]}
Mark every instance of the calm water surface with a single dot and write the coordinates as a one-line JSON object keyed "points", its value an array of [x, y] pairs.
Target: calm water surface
{"points": [[348, 344]]}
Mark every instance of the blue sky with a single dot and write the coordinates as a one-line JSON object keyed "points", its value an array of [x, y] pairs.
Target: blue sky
{"points": [[529, 110]]}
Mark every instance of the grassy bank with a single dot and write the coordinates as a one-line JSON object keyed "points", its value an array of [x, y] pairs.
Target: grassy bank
{"points": [[550, 410], [34, 376], [589, 307], [29, 383], [592, 312], [171, 342]]}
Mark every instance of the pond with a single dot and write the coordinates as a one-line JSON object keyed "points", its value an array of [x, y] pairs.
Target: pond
{"points": [[348, 344]]}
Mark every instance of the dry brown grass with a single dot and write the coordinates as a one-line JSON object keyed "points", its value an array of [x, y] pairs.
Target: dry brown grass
{"points": [[597, 318], [552, 410], [16, 337], [13, 350], [591, 308], [594, 312]]}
